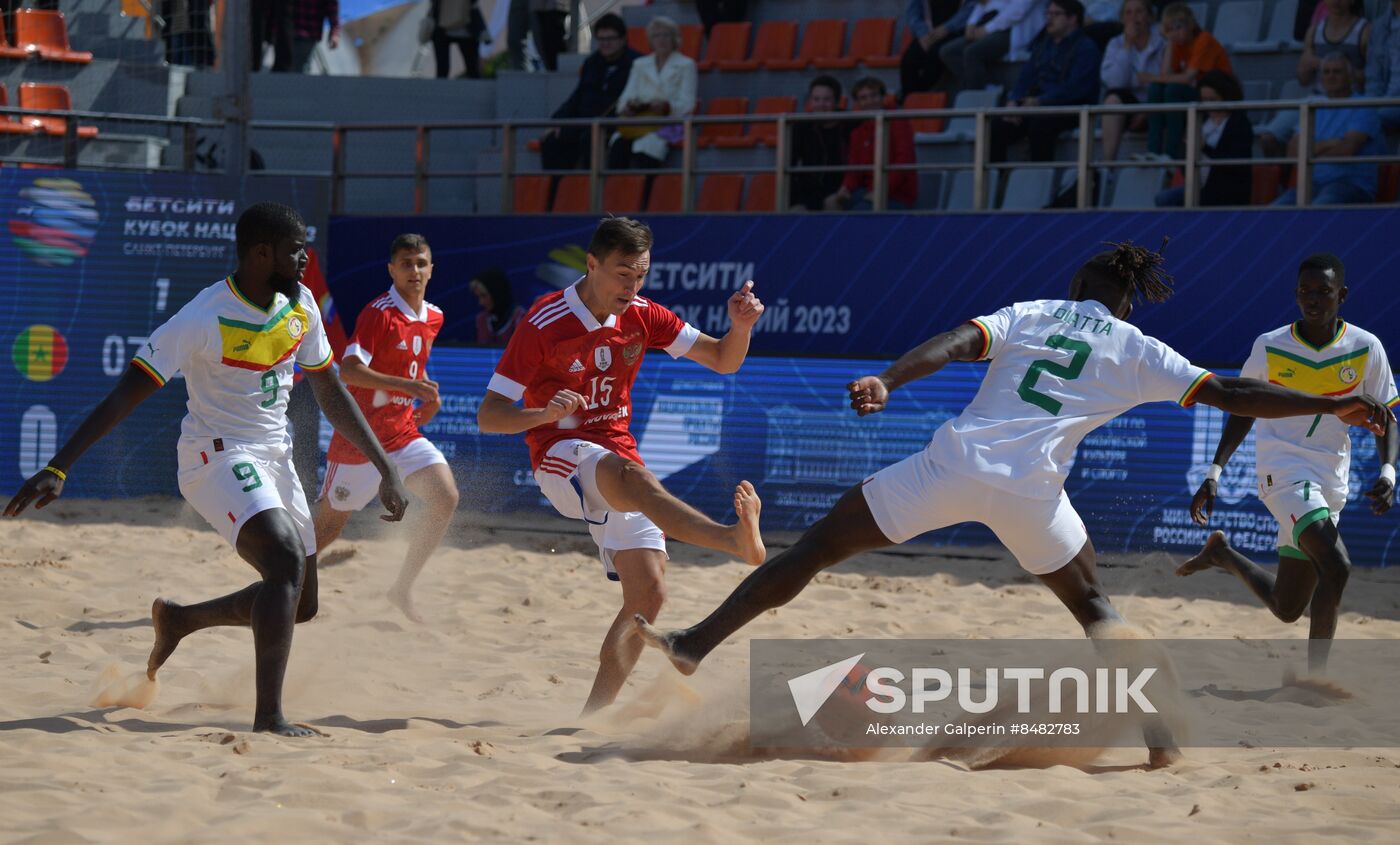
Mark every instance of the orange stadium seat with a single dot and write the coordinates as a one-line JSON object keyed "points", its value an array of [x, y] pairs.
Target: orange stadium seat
{"points": [[728, 42], [637, 39], [822, 40], [531, 195], [891, 59], [692, 34], [721, 193], [759, 133], [1388, 188], [927, 100], [665, 194], [870, 37], [722, 105], [623, 194], [763, 193], [6, 51], [573, 195], [775, 40], [1266, 182], [42, 95], [9, 123], [46, 34]]}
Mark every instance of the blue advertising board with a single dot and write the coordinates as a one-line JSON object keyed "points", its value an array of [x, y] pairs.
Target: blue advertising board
{"points": [[880, 284]]}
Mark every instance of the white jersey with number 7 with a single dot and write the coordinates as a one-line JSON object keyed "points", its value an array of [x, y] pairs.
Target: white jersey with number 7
{"points": [[1059, 369]]}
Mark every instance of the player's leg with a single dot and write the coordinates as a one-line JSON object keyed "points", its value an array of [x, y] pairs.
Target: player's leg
{"points": [[847, 530], [435, 486], [642, 574], [347, 488], [328, 523], [1286, 594], [629, 486], [1323, 545]]}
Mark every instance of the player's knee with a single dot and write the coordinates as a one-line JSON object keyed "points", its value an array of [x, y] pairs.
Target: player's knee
{"points": [[634, 476], [307, 606], [1333, 571], [448, 499], [285, 564], [1291, 613], [648, 597]]}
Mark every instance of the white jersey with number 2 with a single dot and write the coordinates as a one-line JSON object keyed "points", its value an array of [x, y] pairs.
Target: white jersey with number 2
{"points": [[1059, 369]]}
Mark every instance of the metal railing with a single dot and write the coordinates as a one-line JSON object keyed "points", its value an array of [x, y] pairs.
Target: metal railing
{"points": [[71, 141], [507, 134]]}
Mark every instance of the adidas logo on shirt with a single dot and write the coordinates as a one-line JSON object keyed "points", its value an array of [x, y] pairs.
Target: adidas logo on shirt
{"points": [[576, 366], [403, 344]]}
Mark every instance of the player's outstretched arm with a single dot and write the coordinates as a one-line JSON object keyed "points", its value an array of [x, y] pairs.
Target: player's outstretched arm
{"points": [[345, 417], [726, 355], [497, 414], [870, 394], [134, 387], [1236, 430], [1251, 398]]}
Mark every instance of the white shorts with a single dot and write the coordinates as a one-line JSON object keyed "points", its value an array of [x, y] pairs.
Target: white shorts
{"points": [[349, 487], [917, 495], [1296, 506], [229, 486], [567, 478]]}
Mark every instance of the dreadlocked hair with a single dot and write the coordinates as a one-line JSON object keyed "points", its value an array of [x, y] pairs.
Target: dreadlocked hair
{"points": [[1138, 268]]}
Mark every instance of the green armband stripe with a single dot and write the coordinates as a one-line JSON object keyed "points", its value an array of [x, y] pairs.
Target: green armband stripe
{"points": [[149, 370]]}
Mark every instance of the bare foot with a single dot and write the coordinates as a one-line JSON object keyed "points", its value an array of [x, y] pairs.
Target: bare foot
{"points": [[1161, 758], [168, 635], [401, 599], [667, 643], [1216, 547], [750, 544], [276, 724]]}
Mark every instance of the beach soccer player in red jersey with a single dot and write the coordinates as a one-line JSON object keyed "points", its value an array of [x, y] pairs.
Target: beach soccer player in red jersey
{"points": [[573, 361], [385, 367]]}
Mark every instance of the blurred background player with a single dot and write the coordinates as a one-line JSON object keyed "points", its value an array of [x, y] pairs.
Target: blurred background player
{"points": [[386, 368], [573, 362], [1059, 369], [1304, 463], [236, 343]]}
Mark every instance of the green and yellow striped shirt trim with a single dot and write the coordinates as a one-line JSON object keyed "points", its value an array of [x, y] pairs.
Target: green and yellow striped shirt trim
{"points": [[316, 368], [986, 338], [149, 370], [1189, 397]]}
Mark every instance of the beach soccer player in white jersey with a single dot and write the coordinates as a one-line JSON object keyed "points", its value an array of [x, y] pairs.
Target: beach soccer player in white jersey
{"points": [[573, 361], [236, 343], [1058, 370], [1304, 463], [385, 366]]}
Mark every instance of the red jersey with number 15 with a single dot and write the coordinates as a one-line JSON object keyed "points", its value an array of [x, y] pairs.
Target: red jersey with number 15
{"points": [[561, 346], [393, 339]]}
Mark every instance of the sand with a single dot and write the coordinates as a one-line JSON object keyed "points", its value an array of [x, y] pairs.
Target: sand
{"points": [[466, 728]]}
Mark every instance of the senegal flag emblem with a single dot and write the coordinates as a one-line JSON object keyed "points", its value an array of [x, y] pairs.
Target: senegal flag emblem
{"points": [[39, 353]]}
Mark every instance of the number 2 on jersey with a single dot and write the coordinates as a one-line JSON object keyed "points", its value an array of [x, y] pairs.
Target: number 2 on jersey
{"points": [[1067, 372]]}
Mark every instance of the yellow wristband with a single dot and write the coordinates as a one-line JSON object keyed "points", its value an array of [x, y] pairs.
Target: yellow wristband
{"points": [[62, 476]]}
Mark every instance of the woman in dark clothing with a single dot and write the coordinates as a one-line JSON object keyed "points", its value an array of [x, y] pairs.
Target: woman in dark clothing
{"points": [[1224, 135], [499, 314]]}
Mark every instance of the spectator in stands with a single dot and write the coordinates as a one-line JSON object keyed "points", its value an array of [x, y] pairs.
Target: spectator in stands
{"points": [[1193, 52], [1341, 133], [1063, 71], [662, 83], [601, 81], [903, 185], [1342, 29], [309, 17], [996, 29], [1383, 63], [932, 23], [721, 11], [547, 24], [499, 314], [188, 39], [1224, 135], [456, 22], [272, 24], [1130, 59], [823, 144]]}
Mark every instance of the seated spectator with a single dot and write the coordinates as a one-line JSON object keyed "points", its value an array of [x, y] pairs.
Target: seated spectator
{"points": [[499, 314], [1193, 52], [1224, 135], [1063, 71], [1131, 58], [309, 18], [661, 84], [903, 185], [601, 80], [188, 38], [818, 145], [1340, 133], [1342, 29], [720, 11], [1383, 63], [932, 23], [996, 29]]}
